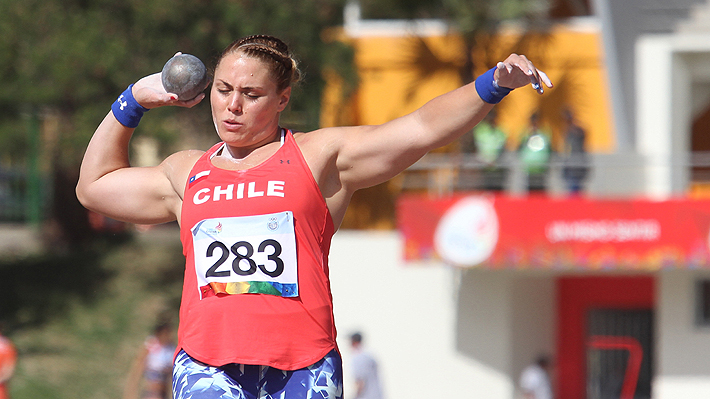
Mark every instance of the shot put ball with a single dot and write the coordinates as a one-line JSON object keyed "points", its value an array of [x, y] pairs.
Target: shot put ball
{"points": [[184, 75]]}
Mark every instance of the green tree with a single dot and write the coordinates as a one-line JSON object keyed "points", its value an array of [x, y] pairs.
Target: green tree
{"points": [[470, 18], [75, 56], [476, 21], [65, 61]]}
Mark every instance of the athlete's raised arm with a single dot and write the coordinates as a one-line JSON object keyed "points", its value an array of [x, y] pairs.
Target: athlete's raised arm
{"points": [[369, 155], [107, 182]]}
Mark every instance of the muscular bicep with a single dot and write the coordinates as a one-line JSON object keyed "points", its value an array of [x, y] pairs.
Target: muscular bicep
{"points": [[135, 195], [145, 195], [374, 154], [370, 155]]}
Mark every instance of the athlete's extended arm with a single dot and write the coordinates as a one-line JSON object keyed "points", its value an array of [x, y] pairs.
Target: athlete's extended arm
{"points": [[110, 186], [370, 155]]}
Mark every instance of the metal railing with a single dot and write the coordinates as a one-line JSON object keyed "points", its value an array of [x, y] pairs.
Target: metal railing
{"points": [[440, 173]]}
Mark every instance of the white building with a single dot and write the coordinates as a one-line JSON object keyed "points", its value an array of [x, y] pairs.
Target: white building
{"points": [[467, 332]]}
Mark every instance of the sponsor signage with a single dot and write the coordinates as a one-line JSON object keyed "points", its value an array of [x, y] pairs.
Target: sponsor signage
{"points": [[539, 232]]}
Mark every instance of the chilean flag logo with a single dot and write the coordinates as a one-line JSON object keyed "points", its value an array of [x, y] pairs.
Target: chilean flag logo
{"points": [[199, 176]]}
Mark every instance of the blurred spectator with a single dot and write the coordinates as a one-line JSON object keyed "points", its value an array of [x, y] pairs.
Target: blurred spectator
{"points": [[490, 144], [535, 380], [535, 151], [154, 362], [367, 380], [575, 169], [8, 359]]}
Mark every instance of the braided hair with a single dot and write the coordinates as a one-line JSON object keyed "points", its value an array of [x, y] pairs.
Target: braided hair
{"points": [[271, 51]]}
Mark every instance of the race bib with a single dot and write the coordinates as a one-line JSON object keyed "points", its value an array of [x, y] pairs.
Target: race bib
{"points": [[246, 255]]}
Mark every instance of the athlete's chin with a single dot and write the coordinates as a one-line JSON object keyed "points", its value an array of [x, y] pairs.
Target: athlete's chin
{"points": [[237, 134]]}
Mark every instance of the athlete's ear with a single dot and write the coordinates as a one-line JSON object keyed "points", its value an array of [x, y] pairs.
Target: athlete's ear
{"points": [[285, 97]]}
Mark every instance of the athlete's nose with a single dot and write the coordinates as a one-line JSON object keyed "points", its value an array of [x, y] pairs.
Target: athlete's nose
{"points": [[234, 105]]}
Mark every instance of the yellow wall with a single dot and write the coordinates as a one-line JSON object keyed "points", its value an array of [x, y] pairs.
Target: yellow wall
{"points": [[399, 74], [573, 60]]}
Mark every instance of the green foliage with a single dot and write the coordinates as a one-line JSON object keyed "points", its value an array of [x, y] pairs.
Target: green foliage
{"points": [[469, 17], [475, 15], [75, 56], [401, 9], [79, 325]]}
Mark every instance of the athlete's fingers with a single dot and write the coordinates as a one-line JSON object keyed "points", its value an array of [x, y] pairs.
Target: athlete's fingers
{"points": [[172, 99], [517, 71], [150, 93], [527, 68], [535, 81], [538, 77], [501, 65], [545, 79], [501, 74], [191, 103]]}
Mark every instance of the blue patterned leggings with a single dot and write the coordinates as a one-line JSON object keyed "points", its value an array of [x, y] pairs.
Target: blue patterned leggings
{"points": [[196, 380]]}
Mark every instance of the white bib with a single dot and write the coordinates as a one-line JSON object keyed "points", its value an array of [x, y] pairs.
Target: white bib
{"points": [[246, 254]]}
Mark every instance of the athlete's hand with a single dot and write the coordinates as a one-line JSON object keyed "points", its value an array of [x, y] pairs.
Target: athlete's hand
{"points": [[517, 71], [150, 93]]}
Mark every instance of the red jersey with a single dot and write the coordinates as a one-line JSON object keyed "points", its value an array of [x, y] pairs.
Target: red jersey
{"points": [[256, 243]]}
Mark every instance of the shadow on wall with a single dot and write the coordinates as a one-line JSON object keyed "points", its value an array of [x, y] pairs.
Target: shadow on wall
{"points": [[505, 321], [481, 325]]}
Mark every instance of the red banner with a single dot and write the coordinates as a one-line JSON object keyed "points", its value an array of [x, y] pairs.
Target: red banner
{"points": [[540, 232]]}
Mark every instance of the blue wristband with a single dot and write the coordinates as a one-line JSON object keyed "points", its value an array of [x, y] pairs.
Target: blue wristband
{"points": [[127, 110], [488, 89]]}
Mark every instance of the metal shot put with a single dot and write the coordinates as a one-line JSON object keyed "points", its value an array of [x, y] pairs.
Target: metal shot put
{"points": [[184, 75]]}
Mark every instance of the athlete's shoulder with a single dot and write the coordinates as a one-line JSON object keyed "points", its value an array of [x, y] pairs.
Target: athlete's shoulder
{"points": [[328, 136], [183, 159], [177, 167]]}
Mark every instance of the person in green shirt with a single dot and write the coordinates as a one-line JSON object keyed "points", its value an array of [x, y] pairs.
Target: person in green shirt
{"points": [[535, 151], [490, 145]]}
